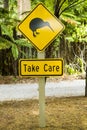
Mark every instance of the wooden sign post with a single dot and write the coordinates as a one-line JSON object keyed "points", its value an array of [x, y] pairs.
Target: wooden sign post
{"points": [[42, 122]]}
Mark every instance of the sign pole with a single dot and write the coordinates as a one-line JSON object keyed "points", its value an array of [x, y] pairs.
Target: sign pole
{"points": [[86, 83], [42, 123]]}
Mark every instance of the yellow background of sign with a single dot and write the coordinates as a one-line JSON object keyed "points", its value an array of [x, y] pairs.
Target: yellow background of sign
{"points": [[41, 63], [46, 35]]}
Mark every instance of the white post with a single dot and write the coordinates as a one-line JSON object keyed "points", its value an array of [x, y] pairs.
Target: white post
{"points": [[41, 55]]}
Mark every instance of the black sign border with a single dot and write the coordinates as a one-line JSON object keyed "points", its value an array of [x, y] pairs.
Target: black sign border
{"points": [[41, 74]]}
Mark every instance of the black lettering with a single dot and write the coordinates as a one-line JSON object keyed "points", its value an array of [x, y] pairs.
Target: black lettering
{"points": [[33, 68], [45, 68], [54, 68], [29, 69], [37, 68], [25, 67], [57, 68], [50, 68]]}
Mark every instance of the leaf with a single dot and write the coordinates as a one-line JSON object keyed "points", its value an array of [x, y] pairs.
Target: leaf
{"points": [[23, 42], [14, 51], [69, 14], [4, 44], [2, 10], [70, 39], [7, 31]]}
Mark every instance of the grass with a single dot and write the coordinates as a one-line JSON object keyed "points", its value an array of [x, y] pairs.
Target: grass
{"points": [[61, 114]]}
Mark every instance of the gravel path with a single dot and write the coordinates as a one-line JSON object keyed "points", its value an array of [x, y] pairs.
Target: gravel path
{"points": [[28, 91]]}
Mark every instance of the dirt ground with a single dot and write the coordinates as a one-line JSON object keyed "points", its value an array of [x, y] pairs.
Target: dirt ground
{"points": [[61, 114]]}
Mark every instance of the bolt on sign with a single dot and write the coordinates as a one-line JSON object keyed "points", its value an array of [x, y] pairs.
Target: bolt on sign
{"points": [[41, 67], [40, 27]]}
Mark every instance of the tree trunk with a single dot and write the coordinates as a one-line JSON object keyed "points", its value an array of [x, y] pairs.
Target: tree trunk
{"points": [[86, 72], [86, 83], [51, 48], [56, 12], [24, 7], [6, 4], [4, 53], [0, 31]]}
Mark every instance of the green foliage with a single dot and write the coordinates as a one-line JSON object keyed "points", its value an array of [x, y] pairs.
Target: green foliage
{"points": [[34, 3], [9, 16], [48, 4], [4, 43], [81, 33], [78, 34], [14, 51], [7, 30], [3, 11], [23, 42], [76, 7], [74, 15], [76, 67], [8, 20], [70, 69]]}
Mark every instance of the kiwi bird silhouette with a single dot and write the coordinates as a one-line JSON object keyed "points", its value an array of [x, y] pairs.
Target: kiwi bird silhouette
{"points": [[37, 23]]}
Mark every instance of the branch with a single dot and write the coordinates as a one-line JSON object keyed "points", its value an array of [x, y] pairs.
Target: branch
{"points": [[62, 4], [72, 5], [56, 12]]}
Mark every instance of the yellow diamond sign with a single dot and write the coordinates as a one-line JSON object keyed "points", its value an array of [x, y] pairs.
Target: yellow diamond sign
{"points": [[41, 27]]}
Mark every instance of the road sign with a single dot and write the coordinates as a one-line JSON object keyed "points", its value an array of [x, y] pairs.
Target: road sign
{"points": [[41, 67], [41, 27]]}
